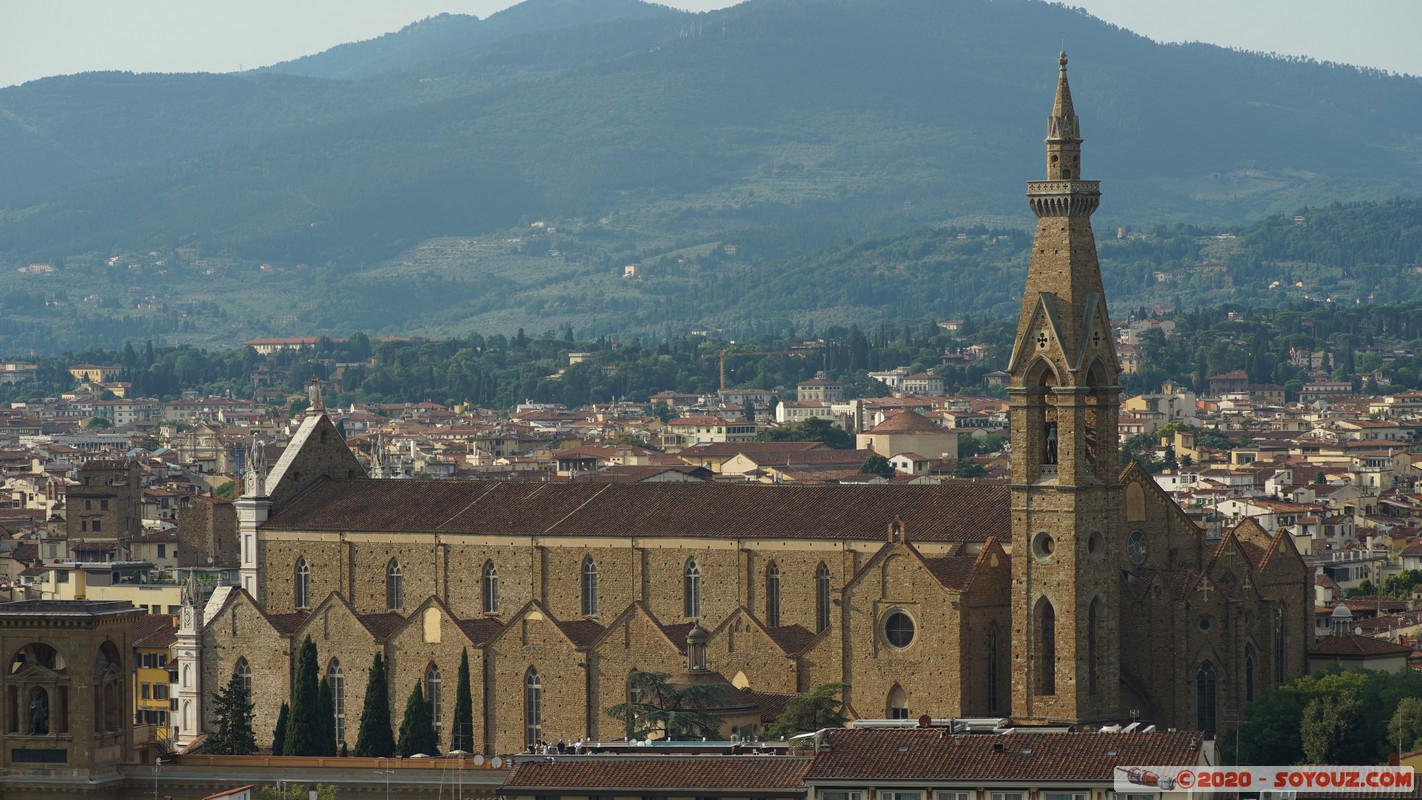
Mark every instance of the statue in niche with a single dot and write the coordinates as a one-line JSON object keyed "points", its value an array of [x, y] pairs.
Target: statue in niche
{"points": [[1049, 456], [39, 712]]}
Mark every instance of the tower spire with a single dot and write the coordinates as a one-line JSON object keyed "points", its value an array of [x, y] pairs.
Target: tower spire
{"points": [[1063, 123]]}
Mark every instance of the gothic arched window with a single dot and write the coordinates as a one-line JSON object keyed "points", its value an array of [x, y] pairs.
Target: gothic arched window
{"points": [[992, 668], [532, 707], [589, 587], [691, 589], [337, 679], [897, 706], [772, 595], [1046, 625], [491, 588], [1249, 673], [822, 598], [243, 673], [303, 584], [1205, 699], [434, 688], [394, 586]]}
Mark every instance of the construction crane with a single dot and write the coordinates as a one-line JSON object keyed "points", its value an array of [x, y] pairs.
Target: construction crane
{"points": [[726, 352]]}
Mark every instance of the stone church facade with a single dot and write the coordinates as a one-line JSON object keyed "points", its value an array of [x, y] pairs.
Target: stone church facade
{"points": [[1075, 594]]}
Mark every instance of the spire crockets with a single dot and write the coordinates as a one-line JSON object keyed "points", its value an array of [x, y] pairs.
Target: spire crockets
{"points": [[1064, 124]]}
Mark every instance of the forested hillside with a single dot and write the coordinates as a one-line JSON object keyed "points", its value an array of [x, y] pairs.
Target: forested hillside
{"points": [[397, 190]]}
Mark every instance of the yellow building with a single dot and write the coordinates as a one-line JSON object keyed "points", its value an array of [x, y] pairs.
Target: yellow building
{"points": [[153, 639]]}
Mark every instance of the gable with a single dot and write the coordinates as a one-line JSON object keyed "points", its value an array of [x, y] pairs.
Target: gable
{"points": [[316, 452]]}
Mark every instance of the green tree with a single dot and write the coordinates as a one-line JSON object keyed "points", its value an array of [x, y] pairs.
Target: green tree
{"points": [[227, 490], [1329, 730], [376, 738], [814, 429], [662, 707], [969, 469], [417, 733], [232, 716], [279, 733], [461, 733], [94, 423], [304, 727], [877, 465], [1405, 727], [327, 706], [296, 792], [822, 708]]}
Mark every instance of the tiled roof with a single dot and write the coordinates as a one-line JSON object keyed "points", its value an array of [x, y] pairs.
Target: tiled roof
{"points": [[696, 774], [1356, 646], [771, 704], [946, 512], [907, 422], [933, 754], [286, 624], [155, 630], [381, 625], [791, 638], [582, 632], [954, 572], [714, 449], [481, 629]]}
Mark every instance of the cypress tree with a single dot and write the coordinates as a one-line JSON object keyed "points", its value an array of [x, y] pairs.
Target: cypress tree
{"points": [[303, 730], [461, 735], [375, 739], [327, 705], [417, 734], [232, 714], [279, 735]]}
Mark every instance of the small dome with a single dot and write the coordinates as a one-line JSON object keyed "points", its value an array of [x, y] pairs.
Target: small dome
{"points": [[1341, 612], [697, 635]]}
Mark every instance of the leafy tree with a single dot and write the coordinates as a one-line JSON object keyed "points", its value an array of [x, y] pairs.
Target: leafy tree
{"points": [[969, 469], [461, 733], [877, 465], [305, 725], [375, 739], [973, 445], [298, 792], [1405, 727], [232, 715], [814, 429], [279, 733], [674, 712], [822, 708], [417, 733], [227, 490], [1329, 730], [94, 423]]}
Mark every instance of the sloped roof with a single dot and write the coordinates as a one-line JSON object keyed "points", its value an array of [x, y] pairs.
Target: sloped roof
{"points": [[695, 775], [929, 754], [381, 625], [155, 630], [1355, 646], [944, 512], [480, 629], [908, 422]]}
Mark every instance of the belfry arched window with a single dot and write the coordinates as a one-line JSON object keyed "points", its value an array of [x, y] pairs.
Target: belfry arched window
{"points": [[589, 587], [394, 586], [1046, 630], [822, 598], [302, 593], [772, 595], [691, 589], [491, 588]]}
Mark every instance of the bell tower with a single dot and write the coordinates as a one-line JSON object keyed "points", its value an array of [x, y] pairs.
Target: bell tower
{"points": [[1066, 499]]}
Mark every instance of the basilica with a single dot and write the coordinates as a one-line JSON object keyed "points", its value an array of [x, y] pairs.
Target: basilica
{"points": [[1073, 594]]}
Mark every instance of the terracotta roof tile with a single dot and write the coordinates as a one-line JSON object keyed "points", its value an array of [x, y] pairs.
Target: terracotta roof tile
{"points": [[907, 422], [155, 630], [381, 625], [954, 572], [286, 624], [582, 632], [791, 638], [1355, 646], [945, 512], [932, 754], [691, 773], [481, 630]]}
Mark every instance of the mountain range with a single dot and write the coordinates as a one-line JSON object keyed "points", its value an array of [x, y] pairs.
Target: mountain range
{"points": [[641, 133]]}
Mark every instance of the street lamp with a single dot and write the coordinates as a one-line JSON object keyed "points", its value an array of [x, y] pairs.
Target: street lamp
{"points": [[157, 762], [387, 773]]}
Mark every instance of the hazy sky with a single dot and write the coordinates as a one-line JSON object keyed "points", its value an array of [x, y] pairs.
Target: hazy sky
{"points": [[54, 37]]}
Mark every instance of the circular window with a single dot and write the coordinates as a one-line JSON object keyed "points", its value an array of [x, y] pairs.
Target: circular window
{"points": [[1095, 545], [1043, 545], [1204, 623], [898, 629]]}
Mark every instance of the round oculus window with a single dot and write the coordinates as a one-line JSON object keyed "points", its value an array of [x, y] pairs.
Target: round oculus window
{"points": [[898, 629], [1043, 545]]}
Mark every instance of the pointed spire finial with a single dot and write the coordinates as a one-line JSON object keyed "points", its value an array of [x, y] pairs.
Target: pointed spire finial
{"points": [[1063, 123]]}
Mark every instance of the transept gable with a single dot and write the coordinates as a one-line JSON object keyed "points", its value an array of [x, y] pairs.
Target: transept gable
{"points": [[579, 634], [316, 451], [1233, 569], [1156, 497], [895, 564], [239, 602], [432, 620], [635, 626], [789, 640]]}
